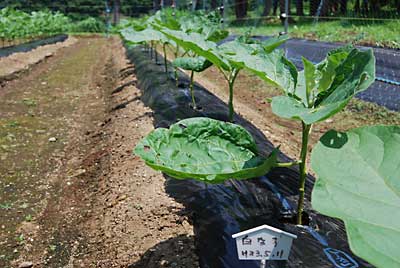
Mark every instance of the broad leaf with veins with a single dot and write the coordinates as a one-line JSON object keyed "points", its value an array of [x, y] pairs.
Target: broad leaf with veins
{"points": [[197, 43], [272, 67], [204, 149], [197, 64], [359, 182], [147, 35], [326, 88]]}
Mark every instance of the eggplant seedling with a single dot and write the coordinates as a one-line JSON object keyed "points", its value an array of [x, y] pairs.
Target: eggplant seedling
{"points": [[148, 35], [197, 64], [226, 57], [316, 93], [322, 91]]}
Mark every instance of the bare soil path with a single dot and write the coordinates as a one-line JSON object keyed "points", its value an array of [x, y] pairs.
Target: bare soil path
{"points": [[72, 194]]}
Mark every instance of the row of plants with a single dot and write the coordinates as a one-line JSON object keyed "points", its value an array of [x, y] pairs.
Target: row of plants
{"points": [[358, 172], [22, 26]]}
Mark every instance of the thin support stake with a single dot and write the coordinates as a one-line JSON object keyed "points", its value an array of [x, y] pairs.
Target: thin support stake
{"points": [[155, 53], [165, 57], [287, 16], [263, 264], [191, 90]]}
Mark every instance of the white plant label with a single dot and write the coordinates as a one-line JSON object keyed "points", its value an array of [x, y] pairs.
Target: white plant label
{"points": [[264, 243]]}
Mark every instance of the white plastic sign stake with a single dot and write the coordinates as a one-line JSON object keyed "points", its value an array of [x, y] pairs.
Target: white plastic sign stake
{"points": [[264, 243]]}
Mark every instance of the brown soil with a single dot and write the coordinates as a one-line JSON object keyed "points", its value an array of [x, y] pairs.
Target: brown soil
{"points": [[74, 196], [16, 63]]}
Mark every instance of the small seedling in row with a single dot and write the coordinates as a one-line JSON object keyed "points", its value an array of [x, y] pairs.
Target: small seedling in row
{"points": [[52, 248], [197, 64], [28, 218], [13, 124], [227, 58], [6, 206], [29, 102], [149, 35], [21, 239]]}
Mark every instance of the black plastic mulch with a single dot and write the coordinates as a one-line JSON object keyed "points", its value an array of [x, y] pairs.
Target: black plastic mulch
{"points": [[4, 52], [218, 211]]}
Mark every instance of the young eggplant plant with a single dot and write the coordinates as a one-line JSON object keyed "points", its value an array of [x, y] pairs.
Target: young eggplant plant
{"points": [[227, 57], [320, 91], [148, 35], [191, 24], [197, 64]]}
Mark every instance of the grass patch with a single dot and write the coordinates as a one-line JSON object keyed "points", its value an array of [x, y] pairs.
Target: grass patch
{"points": [[373, 33]]}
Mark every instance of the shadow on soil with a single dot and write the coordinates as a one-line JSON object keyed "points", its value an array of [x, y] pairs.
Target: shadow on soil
{"points": [[175, 252]]}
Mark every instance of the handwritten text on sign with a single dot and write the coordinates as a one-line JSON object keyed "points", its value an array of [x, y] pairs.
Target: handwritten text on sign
{"points": [[264, 243]]}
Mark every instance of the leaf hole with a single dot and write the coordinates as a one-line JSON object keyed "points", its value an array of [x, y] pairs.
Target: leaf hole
{"points": [[146, 148]]}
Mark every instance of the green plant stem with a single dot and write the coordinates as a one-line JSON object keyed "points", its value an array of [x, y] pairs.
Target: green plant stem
{"points": [[288, 164], [191, 89], [303, 170], [176, 76], [155, 53], [165, 58], [151, 50], [175, 68], [231, 82]]}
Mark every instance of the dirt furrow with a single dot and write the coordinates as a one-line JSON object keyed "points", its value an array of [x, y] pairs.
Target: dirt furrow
{"points": [[73, 195]]}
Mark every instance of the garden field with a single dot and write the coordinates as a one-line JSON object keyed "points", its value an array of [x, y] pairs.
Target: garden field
{"points": [[72, 194], [152, 146]]}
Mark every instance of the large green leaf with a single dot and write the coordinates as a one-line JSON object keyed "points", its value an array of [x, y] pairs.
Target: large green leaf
{"points": [[290, 108], [325, 89], [355, 74], [196, 42], [214, 33], [197, 64], [271, 67], [359, 182], [146, 35], [321, 76], [166, 19], [272, 43], [204, 149]]}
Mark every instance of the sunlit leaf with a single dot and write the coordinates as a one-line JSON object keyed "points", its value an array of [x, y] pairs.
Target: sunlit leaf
{"points": [[271, 67], [272, 43], [359, 182], [196, 42], [204, 149], [146, 35], [197, 64], [324, 90], [290, 108]]}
